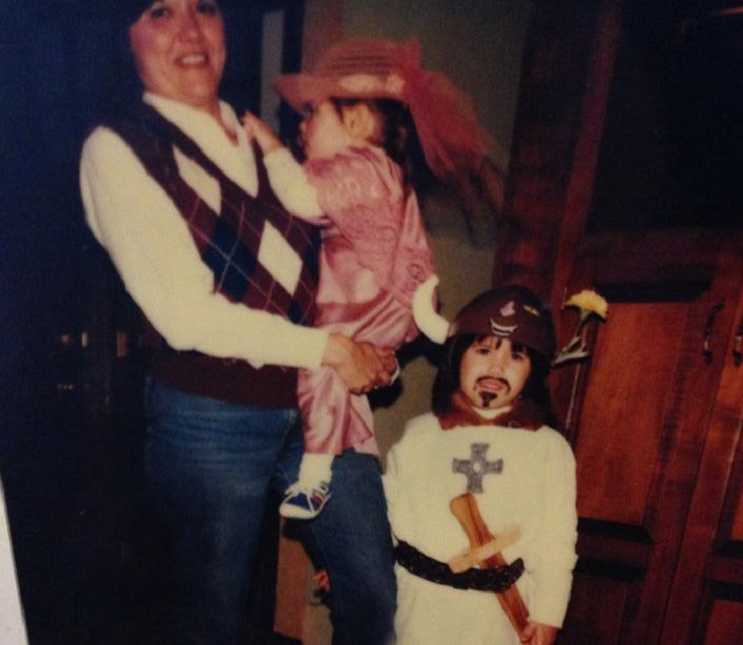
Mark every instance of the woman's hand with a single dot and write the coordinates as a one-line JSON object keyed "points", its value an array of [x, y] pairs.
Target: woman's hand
{"points": [[259, 130], [539, 634], [361, 366]]}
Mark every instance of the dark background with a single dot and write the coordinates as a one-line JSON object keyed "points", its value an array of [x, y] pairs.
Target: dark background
{"points": [[671, 154]]}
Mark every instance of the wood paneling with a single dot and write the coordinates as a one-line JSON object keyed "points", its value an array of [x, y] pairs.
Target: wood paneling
{"points": [[547, 124], [622, 409], [590, 622], [725, 623], [291, 588], [737, 533]]}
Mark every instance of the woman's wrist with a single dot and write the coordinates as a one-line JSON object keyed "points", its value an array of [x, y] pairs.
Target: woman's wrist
{"points": [[338, 349], [361, 366]]}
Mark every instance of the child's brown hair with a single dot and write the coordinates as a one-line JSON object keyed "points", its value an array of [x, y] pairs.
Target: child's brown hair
{"points": [[399, 138]]}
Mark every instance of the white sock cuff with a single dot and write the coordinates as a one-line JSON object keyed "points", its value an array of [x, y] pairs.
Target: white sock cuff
{"points": [[315, 468]]}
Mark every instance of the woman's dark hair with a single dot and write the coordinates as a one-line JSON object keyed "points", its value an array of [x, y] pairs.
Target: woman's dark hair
{"points": [[121, 87], [399, 139], [447, 378]]}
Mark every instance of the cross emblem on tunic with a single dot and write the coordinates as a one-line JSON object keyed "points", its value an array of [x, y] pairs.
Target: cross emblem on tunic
{"points": [[476, 467]]}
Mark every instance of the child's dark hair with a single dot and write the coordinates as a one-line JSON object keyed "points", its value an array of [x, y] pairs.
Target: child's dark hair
{"points": [[447, 379], [399, 139]]}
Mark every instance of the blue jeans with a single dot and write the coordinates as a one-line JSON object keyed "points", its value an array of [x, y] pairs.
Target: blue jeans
{"points": [[210, 468]]}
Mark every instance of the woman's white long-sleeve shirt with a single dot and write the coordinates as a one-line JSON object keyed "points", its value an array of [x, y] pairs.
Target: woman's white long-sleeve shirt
{"points": [[153, 250]]}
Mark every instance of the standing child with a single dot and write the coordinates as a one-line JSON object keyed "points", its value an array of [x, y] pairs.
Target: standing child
{"points": [[371, 112], [481, 494]]}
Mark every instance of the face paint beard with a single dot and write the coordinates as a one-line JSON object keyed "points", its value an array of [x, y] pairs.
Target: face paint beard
{"points": [[486, 398]]}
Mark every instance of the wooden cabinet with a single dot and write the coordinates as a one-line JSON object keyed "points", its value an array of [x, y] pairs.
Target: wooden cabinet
{"points": [[654, 418], [603, 199]]}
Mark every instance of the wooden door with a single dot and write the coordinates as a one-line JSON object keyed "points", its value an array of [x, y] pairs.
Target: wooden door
{"points": [[640, 416]]}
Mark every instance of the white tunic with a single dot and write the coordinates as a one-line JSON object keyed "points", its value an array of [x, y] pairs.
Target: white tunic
{"points": [[533, 489]]}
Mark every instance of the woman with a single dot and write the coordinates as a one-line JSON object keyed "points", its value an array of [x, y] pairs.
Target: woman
{"points": [[225, 278]]}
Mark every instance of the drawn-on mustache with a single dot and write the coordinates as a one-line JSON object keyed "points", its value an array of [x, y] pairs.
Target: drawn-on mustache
{"points": [[500, 379]]}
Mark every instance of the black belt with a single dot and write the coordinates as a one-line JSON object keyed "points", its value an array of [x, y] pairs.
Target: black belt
{"points": [[496, 579]]}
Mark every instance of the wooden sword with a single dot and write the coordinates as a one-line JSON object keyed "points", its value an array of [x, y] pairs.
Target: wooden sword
{"points": [[465, 509]]}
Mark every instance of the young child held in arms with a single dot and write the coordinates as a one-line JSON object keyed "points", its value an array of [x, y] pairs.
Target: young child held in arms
{"points": [[372, 118], [481, 493]]}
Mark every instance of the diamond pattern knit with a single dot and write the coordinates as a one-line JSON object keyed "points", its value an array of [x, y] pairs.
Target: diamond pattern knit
{"points": [[259, 254]]}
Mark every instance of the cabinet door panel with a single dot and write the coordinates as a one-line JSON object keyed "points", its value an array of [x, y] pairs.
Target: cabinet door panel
{"points": [[589, 622], [621, 408], [737, 529], [725, 624]]}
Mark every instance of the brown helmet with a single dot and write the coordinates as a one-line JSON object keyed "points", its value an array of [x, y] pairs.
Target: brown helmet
{"points": [[512, 312]]}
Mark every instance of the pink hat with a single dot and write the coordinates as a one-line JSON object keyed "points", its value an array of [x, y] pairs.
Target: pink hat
{"points": [[367, 69]]}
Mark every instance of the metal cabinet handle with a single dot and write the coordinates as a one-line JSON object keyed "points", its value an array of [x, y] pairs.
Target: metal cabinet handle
{"points": [[708, 329]]}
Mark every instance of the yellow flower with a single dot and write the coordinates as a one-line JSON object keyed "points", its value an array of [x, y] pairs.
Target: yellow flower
{"points": [[589, 301]]}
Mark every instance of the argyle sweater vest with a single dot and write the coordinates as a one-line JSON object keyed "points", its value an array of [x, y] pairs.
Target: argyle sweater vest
{"points": [[230, 243]]}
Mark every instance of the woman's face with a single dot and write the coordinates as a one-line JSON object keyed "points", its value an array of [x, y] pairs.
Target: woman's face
{"points": [[179, 51], [493, 372]]}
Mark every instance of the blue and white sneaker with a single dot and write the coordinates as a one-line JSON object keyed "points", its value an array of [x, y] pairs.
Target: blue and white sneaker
{"points": [[304, 502]]}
